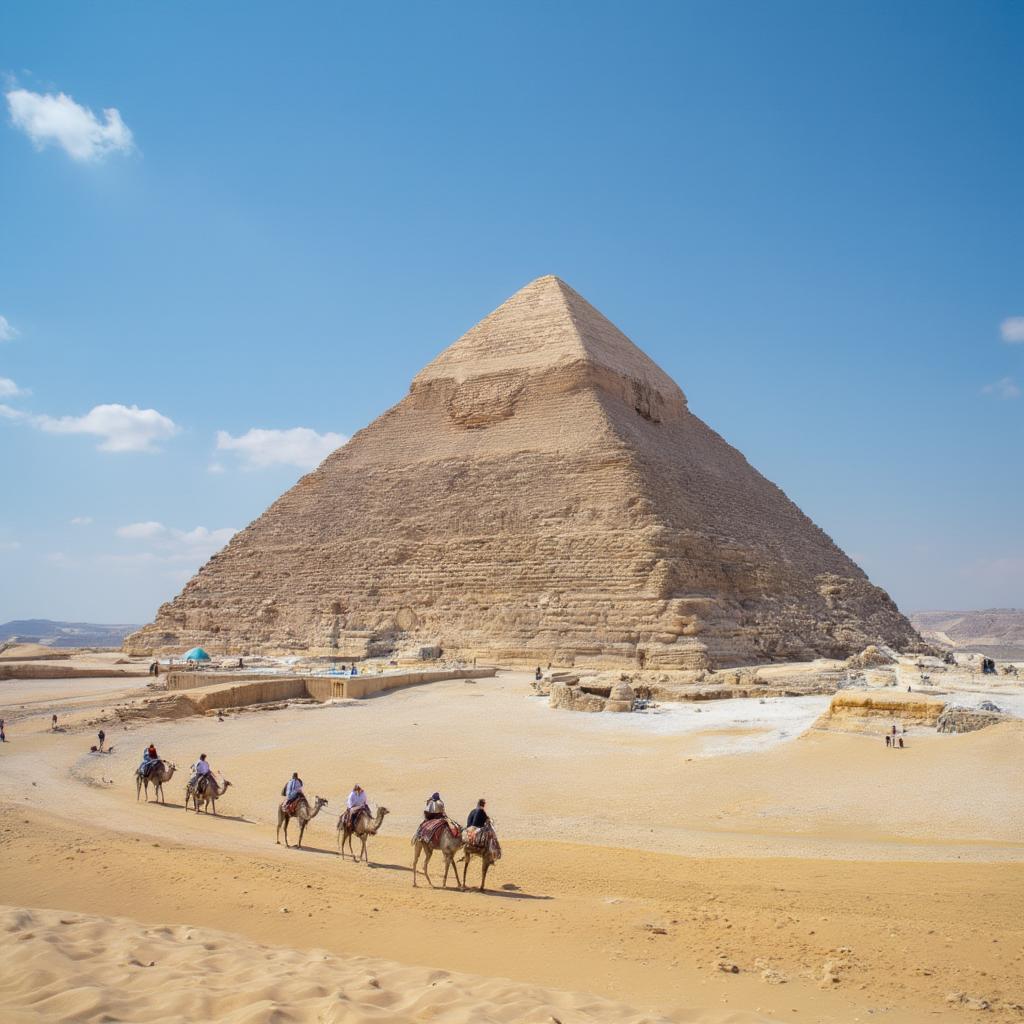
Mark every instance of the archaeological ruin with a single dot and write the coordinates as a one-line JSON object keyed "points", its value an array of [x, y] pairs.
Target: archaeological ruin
{"points": [[542, 494]]}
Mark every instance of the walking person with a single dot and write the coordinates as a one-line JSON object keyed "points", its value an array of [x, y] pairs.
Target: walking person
{"points": [[101, 736], [888, 740], [53, 724], [3, 735]]}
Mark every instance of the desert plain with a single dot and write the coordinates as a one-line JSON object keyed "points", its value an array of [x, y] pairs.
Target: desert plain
{"points": [[716, 862]]}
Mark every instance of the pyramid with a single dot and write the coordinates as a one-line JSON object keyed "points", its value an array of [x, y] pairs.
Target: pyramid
{"points": [[542, 494]]}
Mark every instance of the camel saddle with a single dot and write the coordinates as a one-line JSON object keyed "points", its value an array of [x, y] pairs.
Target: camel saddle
{"points": [[351, 816], [484, 839], [290, 807], [430, 832]]}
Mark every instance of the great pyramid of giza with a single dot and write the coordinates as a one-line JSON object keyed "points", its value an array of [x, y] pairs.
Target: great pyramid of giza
{"points": [[542, 494]]}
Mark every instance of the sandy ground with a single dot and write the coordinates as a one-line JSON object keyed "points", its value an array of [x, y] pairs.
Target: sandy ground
{"points": [[843, 881]]}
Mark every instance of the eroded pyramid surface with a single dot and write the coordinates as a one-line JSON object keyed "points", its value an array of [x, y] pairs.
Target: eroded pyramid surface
{"points": [[542, 494]]}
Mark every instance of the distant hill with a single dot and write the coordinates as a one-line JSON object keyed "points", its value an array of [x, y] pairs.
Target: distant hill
{"points": [[64, 634], [997, 632]]}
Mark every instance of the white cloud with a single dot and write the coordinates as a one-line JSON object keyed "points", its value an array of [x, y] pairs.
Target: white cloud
{"points": [[59, 120], [11, 414], [298, 446], [7, 331], [123, 428], [1012, 330], [181, 551], [81, 520], [8, 389], [141, 531], [214, 468], [1005, 387]]}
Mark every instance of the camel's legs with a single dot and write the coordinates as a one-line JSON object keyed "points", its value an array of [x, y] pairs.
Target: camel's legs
{"points": [[427, 854], [302, 829], [363, 854], [138, 787], [486, 864]]}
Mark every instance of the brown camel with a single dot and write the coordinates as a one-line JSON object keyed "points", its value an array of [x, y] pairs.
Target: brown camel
{"points": [[362, 827], [161, 772], [486, 856], [448, 845], [206, 792], [303, 813]]}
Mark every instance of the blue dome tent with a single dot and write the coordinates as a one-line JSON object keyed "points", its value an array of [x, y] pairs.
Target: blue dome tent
{"points": [[197, 654]]}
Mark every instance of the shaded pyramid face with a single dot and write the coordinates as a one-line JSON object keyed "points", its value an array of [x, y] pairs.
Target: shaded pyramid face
{"points": [[542, 494]]}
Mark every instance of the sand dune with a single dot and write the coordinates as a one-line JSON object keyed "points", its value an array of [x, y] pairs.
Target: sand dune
{"points": [[59, 966]]}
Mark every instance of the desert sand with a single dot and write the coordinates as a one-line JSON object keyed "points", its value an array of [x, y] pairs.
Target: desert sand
{"points": [[699, 864]]}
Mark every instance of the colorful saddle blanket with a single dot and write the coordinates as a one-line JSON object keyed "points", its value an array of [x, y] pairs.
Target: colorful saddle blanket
{"points": [[430, 831], [483, 839], [291, 806]]}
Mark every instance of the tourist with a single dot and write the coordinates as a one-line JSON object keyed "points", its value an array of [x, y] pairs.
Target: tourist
{"points": [[435, 808], [3, 734], [901, 743], [478, 817], [101, 736], [149, 760], [293, 789], [538, 675], [201, 770], [888, 740], [355, 805], [53, 723], [353, 671]]}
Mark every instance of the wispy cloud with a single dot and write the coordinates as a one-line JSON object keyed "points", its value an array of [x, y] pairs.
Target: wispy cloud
{"points": [[123, 428], [141, 531], [215, 468], [10, 545], [1012, 330], [299, 446], [7, 331], [8, 389], [1004, 388], [56, 119], [12, 414], [81, 520], [160, 545]]}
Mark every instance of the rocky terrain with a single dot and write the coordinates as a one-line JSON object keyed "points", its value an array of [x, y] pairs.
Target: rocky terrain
{"points": [[542, 494], [995, 632], [64, 634]]}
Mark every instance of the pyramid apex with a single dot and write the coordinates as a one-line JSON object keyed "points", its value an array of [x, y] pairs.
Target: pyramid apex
{"points": [[547, 324]]}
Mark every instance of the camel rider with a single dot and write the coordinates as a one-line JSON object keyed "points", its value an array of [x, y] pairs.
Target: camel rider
{"points": [[149, 761], [357, 804], [293, 789], [478, 824], [201, 773], [435, 808], [478, 817]]}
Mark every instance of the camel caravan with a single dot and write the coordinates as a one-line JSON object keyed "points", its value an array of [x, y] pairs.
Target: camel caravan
{"points": [[437, 831]]}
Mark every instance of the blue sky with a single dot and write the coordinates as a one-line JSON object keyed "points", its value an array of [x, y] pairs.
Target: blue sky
{"points": [[810, 215]]}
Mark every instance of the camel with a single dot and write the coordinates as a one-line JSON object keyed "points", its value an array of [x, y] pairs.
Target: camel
{"points": [[486, 860], [303, 813], [161, 772], [205, 794], [448, 845], [364, 828]]}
